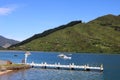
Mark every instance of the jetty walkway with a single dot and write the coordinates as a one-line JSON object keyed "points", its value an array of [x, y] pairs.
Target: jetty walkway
{"points": [[70, 66]]}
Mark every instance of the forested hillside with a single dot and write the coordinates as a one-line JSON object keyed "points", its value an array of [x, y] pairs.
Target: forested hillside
{"points": [[101, 35]]}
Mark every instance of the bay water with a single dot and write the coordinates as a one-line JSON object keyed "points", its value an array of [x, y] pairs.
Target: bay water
{"points": [[111, 64]]}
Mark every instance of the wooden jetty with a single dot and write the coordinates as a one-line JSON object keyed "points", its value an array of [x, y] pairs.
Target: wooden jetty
{"points": [[70, 66]]}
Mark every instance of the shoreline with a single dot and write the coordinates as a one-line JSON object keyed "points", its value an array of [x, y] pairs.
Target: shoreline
{"points": [[11, 51], [60, 52], [7, 68], [5, 72]]}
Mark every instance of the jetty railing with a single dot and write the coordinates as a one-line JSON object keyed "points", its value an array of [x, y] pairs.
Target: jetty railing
{"points": [[70, 66]]}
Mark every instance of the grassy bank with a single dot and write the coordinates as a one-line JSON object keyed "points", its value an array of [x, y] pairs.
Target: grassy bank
{"points": [[13, 67]]}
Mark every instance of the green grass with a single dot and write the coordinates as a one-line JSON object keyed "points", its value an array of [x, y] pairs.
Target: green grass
{"points": [[14, 66]]}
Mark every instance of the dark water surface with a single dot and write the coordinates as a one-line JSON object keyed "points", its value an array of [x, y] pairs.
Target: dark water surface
{"points": [[111, 66]]}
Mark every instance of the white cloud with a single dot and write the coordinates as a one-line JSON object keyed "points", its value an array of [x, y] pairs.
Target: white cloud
{"points": [[7, 10]]}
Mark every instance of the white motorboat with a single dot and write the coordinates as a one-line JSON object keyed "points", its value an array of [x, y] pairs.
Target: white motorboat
{"points": [[64, 56]]}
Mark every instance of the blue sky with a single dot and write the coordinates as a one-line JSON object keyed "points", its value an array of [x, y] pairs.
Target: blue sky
{"points": [[21, 19]]}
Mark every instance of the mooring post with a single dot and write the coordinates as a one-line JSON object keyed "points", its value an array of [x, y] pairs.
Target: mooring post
{"points": [[58, 66], [32, 64], [101, 67], [84, 67], [45, 65]]}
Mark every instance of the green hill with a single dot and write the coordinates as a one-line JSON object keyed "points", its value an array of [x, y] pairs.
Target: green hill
{"points": [[101, 35]]}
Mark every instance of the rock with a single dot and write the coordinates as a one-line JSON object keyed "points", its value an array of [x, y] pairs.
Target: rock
{"points": [[9, 62]]}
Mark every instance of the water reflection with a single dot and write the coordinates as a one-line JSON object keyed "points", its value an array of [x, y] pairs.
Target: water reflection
{"points": [[48, 74]]}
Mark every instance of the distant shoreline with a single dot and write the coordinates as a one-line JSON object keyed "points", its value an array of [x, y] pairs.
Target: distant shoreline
{"points": [[11, 51], [57, 52]]}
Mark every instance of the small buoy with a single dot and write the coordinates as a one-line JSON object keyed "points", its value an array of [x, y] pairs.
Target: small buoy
{"points": [[15, 55]]}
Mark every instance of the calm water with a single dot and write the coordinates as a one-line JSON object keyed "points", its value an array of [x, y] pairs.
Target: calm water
{"points": [[111, 66]]}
